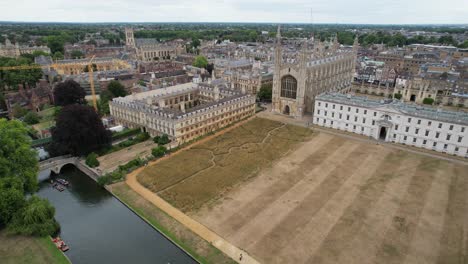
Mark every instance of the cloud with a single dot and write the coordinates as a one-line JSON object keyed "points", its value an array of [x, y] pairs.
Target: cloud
{"points": [[278, 11]]}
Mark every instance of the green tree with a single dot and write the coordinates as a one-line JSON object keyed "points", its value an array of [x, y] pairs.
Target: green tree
{"points": [[77, 54], [38, 53], [58, 55], [3, 105], [159, 151], [31, 118], [464, 45], [164, 139], [397, 96], [195, 43], [18, 111], [104, 98], [17, 158], [117, 89], [11, 198], [265, 92], [200, 62], [12, 78], [428, 101], [36, 218], [91, 160]]}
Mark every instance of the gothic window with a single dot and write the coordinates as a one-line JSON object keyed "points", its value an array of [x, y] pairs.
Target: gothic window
{"points": [[288, 87]]}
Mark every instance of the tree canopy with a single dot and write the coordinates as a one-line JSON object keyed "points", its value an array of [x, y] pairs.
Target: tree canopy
{"points": [[12, 78], [265, 92], [11, 198], [16, 156], [200, 62], [116, 88], [69, 92], [35, 218], [77, 54], [18, 176], [78, 131], [31, 118]]}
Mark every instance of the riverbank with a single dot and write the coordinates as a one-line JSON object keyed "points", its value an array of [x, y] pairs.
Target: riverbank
{"points": [[29, 250], [200, 249]]}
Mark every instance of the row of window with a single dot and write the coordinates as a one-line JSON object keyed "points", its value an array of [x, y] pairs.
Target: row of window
{"points": [[424, 143], [405, 138], [416, 131], [419, 121], [427, 133]]}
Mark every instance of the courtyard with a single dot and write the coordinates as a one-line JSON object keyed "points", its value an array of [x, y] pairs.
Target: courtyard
{"points": [[285, 195]]}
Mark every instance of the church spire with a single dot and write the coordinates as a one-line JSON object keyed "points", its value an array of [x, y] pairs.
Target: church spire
{"points": [[278, 35]]}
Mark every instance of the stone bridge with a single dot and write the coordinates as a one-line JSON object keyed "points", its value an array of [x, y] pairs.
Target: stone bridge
{"points": [[56, 164]]}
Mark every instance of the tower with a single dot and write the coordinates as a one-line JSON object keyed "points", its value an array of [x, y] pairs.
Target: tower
{"points": [[277, 72], [129, 37]]}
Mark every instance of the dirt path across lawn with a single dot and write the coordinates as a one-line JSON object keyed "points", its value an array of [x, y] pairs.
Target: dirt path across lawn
{"points": [[227, 248]]}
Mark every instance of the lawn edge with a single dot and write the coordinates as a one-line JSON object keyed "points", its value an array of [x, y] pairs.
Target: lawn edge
{"points": [[164, 231], [57, 254]]}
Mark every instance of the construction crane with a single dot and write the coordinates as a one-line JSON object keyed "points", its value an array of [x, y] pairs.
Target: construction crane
{"points": [[30, 67]]}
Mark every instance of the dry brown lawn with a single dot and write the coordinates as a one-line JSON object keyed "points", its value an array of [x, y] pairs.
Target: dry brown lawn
{"points": [[201, 174], [319, 198], [336, 200], [110, 162]]}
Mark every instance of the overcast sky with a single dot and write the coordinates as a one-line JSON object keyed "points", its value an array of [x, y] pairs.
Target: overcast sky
{"points": [[278, 11]]}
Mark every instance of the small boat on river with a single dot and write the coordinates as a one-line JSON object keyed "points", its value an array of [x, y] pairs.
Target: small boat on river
{"points": [[60, 244], [58, 187], [63, 182]]}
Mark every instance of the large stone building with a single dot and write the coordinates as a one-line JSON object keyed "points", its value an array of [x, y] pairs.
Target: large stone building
{"points": [[31, 98], [298, 79], [150, 49], [184, 112], [15, 50], [79, 66], [394, 121]]}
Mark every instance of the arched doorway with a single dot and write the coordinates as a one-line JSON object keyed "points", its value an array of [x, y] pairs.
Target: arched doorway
{"points": [[286, 110], [383, 133]]}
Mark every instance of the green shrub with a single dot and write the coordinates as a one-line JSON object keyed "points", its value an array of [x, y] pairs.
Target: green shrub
{"points": [[142, 137], [91, 160], [31, 118], [156, 139], [428, 101], [162, 140], [397, 96], [125, 133], [159, 151], [131, 165]]}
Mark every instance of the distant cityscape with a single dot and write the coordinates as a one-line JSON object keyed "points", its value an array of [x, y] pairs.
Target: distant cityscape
{"points": [[233, 142]]}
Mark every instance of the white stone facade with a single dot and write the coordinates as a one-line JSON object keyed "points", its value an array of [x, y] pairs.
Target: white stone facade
{"points": [[393, 121], [184, 112]]}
